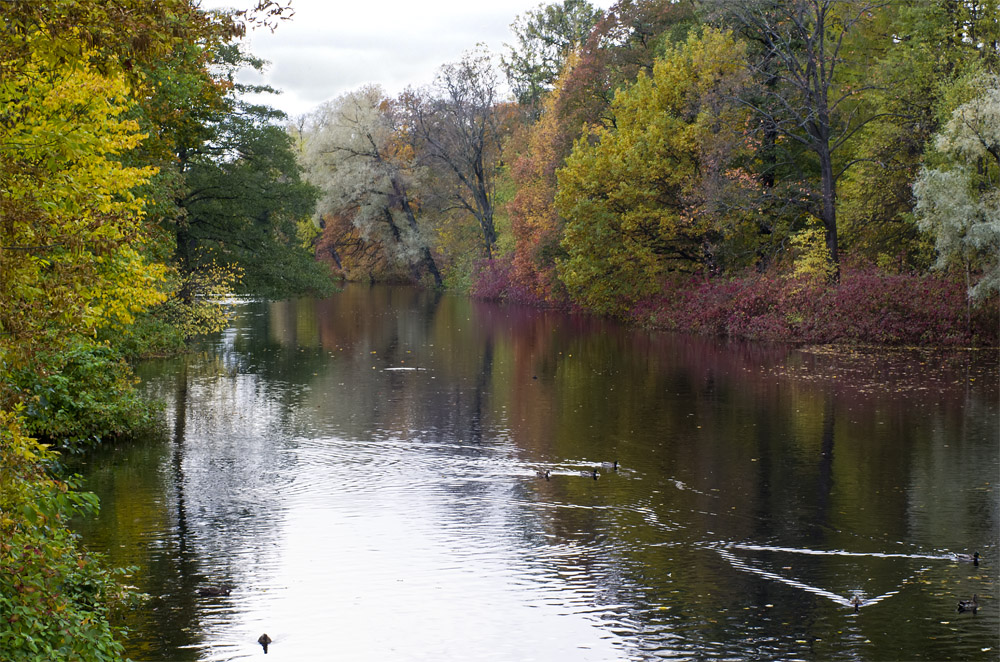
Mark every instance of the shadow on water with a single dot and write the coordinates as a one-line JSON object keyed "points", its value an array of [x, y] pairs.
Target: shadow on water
{"points": [[363, 471]]}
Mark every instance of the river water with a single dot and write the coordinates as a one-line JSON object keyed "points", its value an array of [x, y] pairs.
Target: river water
{"points": [[363, 472]]}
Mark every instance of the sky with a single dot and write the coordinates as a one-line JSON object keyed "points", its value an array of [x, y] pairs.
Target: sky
{"points": [[331, 47]]}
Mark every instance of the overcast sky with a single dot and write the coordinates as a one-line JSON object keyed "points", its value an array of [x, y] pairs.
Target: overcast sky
{"points": [[334, 46]]}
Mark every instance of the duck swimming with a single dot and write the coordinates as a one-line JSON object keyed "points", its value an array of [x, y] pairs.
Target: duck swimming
{"points": [[610, 465], [544, 474], [856, 602], [214, 591], [264, 640], [968, 558], [969, 605], [591, 474]]}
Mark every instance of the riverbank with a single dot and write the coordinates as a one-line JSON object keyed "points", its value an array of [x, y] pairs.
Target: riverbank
{"points": [[56, 597], [866, 307]]}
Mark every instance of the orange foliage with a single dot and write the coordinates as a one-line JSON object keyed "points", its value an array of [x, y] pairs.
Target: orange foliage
{"points": [[352, 256], [536, 226]]}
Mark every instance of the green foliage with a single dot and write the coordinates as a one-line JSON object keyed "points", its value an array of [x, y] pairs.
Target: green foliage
{"points": [[546, 37], [243, 203], [908, 84], [958, 202], [55, 600], [80, 395]]}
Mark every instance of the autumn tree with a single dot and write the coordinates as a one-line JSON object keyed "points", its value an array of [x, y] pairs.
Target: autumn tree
{"points": [[72, 240], [633, 196], [806, 93], [624, 41], [457, 129], [536, 225], [357, 157], [77, 260], [546, 37]]}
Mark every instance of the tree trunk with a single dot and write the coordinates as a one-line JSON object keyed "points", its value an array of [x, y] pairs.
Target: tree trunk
{"points": [[426, 259], [828, 213]]}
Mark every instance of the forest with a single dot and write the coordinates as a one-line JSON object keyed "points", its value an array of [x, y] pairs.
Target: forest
{"points": [[819, 171], [809, 171]]}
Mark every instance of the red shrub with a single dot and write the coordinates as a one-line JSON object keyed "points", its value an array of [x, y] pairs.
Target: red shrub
{"points": [[865, 307]]}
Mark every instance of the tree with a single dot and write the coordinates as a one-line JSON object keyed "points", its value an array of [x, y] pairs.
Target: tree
{"points": [[803, 95], [634, 197], [71, 227], [958, 201], [536, 226], [355, 154], [626, 40], [915, 53], [241, 195], [457, 129], [623, 42], [546, 37]]}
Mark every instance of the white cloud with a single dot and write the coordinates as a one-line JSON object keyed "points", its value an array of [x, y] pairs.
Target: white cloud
{"points": [[329, 48]]}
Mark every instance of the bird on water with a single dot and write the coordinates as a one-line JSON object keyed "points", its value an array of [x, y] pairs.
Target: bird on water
{"points": [[969, 605], [968, 558], [264, 640], [214, 591]]}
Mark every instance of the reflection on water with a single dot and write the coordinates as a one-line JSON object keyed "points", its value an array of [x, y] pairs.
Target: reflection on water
{"points": [[364, 471]]}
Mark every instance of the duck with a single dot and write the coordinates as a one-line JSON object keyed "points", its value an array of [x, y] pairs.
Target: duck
{"points": [[610, 465], [968, 558], [214, 591], [591, 474], [264, 640], [969, 605], [856, 603], [544, 474]]}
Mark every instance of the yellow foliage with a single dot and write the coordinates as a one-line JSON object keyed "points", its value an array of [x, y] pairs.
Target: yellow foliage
{"points": [[632, 195], [812, 257], [71, 229]]}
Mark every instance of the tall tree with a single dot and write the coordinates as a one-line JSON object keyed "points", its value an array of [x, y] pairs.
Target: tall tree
{"points": [[634, 196], [916, 52], [546, 37], [71, 228], [623, 43], [805, 92], [537, 227], [457, 128], [238, 191], [958, 201], [355, 154]]}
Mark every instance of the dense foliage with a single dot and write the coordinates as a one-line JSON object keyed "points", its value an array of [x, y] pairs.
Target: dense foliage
{"points": [[55, 599], [806, 170], [698, 145], [137, 192]]}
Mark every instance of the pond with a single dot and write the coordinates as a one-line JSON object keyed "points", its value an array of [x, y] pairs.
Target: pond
{"points": [[367, 473]]}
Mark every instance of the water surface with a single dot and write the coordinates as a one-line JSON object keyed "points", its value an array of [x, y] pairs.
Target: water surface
{"points": [[363, 471]]}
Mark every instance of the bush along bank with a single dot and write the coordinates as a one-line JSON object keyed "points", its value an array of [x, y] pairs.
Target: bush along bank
{"points": [[865, 307], [56, 600]]}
